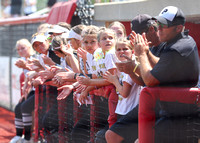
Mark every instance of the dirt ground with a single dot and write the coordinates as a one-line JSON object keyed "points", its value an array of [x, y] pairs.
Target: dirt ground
{"points": [[7, 127]]}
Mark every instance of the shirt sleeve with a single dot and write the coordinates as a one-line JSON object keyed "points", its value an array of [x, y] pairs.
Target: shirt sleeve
{"points": [[89, 62], [127, 79], [89, 59], [109, 61]]}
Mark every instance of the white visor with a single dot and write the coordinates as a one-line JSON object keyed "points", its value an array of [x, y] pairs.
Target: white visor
{"points": [[74, 35]]}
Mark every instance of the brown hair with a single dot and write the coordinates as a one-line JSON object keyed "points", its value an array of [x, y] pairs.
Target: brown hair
{"points": [[78, 28], [120, 24], [90, 30], [64, 24], [57, 40]]}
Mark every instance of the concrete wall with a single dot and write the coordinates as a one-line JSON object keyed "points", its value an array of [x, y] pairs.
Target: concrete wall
{"points": [[125, 11]]}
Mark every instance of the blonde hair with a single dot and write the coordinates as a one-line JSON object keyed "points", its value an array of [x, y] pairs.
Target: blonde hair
{"points": [[43, 27], [104, 30], [27, 44], [124, 41]]}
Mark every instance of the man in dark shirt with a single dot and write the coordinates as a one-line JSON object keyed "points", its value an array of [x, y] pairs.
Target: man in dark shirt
{"points": [[179, 62], [177, 66]]}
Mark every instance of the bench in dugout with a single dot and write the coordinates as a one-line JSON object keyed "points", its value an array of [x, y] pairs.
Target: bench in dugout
{"points": [[181, 125]]}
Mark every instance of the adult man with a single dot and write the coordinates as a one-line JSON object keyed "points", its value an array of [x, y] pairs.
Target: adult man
{"points": [[143, 23], [125, 129], [178, 66], [180, 53]]}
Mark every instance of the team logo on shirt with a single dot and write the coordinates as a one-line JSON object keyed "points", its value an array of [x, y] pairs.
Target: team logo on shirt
{"points": [[94, 68], [102, 66]]}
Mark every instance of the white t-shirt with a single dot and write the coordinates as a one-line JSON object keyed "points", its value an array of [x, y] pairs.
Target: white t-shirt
{"points": [[125, 105], [64, 64], [82, 65], [100, 63], [91, 64]]}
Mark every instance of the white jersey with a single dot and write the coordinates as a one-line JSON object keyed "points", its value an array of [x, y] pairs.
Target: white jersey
{"points": [[100, 63], [125, 105], [64, 64], [91, 64], [82, 65]]}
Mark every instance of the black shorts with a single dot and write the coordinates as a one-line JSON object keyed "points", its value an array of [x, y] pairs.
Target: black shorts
{"points": [[127, 126]]}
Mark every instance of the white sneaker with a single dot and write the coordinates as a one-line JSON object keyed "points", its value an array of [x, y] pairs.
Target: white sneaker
{"points": [[16, 139]]}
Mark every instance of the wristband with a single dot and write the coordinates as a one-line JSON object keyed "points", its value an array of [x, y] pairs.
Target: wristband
{"points": [[135, 67]]}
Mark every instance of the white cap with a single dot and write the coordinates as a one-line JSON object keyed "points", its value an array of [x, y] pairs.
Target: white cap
{"points": [[38, 38], [169, 12], [171, 15], [58, 29]]}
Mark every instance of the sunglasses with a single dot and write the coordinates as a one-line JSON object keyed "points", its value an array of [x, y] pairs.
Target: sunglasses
{"points": [[161, 25]]}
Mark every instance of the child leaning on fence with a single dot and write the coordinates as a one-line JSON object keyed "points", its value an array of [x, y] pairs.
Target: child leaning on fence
{"points": [[103, 60], [48, 94], [51, 68], [128, 90], [89, 42]]}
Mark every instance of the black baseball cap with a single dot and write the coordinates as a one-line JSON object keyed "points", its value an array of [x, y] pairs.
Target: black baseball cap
{"points": [[141, 22]]}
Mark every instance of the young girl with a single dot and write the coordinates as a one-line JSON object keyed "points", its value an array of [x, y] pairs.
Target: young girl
{"points": [[89, 44], [65, 52], [47, 57], [23, 110], [103, 60], [74, 38], [119, 28], [128, 92], [81, 131]]}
